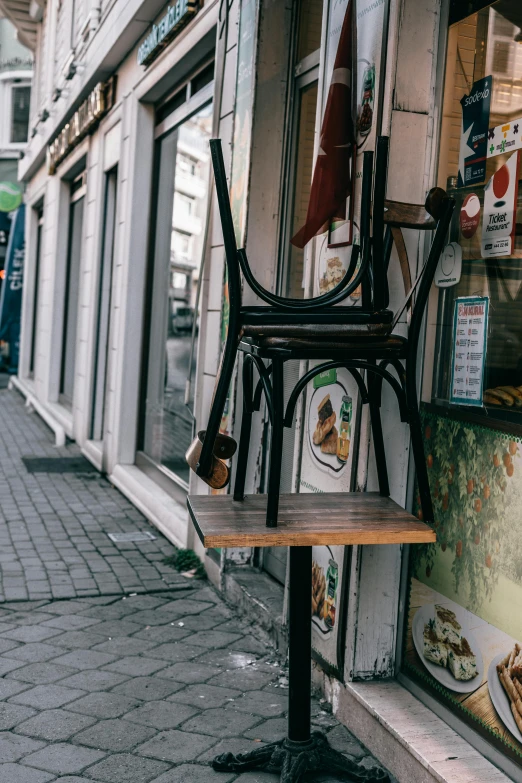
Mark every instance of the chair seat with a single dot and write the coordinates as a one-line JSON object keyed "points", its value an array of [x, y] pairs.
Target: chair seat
{"points": [[326, 324], [346, 347], [331, 318]]}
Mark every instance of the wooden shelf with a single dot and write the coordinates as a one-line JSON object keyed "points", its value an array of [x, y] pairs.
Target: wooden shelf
{"points": [[306, 520]]}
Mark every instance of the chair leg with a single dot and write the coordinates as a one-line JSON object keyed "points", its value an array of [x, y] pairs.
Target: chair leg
{"points": [[378, 440], [276, 443], [417, 443], [246, 426], [204, 466], [420, 466]]}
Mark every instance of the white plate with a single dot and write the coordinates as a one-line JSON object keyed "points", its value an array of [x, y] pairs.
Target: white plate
{"points": [[441, 674], [500, 698]]}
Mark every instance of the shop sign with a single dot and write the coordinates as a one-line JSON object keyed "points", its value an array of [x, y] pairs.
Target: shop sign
{"points": [[474, 133], [170, 25], [11, 297], [505, 138], [84, 120], [500, 209], [470, 328], [469, 218], [11, 196]]}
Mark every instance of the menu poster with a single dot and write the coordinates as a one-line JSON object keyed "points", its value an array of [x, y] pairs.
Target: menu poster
{"points": [[470, 325], [500, 210]]}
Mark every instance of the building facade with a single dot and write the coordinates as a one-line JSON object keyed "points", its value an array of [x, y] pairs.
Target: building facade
{"points": [[125, 303]]}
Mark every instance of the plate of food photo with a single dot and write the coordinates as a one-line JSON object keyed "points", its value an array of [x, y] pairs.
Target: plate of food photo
{"points": [[505, 689], [325, 582], [329, 425], [447, 648]]}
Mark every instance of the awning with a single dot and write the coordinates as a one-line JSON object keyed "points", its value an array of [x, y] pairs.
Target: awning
{"points": [[23, 14]]}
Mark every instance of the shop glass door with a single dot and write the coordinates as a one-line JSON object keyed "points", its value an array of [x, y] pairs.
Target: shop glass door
{"points": [[104, 306], [182, 165], [72, 285], [301, 136], [34, 331]]}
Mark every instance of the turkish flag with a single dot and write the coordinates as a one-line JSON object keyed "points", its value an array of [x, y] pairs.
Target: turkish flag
{"points": [[332, 180]]}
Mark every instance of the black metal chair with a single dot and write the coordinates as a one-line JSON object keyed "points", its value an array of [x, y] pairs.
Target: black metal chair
{"points": [[355, 337]]}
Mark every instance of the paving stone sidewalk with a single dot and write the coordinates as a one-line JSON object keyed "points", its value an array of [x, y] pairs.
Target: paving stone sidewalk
{"points": [[54, 526], [142, 675], [139, 689]]}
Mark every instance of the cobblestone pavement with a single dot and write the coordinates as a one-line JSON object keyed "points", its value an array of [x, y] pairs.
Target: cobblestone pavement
{"points": [[54, 526], [144, 687], [138, 689]]}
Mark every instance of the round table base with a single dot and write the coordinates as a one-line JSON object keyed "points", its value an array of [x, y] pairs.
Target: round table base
{"points": [[294, 759]]}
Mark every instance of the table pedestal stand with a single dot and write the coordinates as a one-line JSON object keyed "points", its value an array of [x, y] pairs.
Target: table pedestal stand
{"points": [[302, 751]]}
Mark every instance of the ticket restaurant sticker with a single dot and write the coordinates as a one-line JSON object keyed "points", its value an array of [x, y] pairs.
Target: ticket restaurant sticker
{"points": [[500, 209], [470, 329]]}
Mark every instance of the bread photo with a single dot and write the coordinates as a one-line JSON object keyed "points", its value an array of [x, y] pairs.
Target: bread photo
{"points": [[509, 672], [329, 444], [327, 417]]}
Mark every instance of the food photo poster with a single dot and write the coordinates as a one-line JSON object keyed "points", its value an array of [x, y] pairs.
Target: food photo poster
{"points": [[328, 459], [464, 628]]}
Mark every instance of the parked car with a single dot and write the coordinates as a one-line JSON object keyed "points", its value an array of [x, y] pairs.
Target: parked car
{"points": [[182, 318]]}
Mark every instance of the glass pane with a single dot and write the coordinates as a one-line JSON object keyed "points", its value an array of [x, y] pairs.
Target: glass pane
{"points": [[71, 300], [36, 292], [484, 52], [181, 213], [104, 306], [303, 183], [310, 21], [21, 97]]}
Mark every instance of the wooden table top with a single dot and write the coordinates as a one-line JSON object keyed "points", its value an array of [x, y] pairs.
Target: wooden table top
{"points": [[306, 520]]}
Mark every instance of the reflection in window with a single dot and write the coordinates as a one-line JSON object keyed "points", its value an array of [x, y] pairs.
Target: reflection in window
{"points": [[485, 44], [21, 97], [183, 166]]}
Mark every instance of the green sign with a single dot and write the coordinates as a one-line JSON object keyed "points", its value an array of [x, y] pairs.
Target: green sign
{"points": [[11, 196], [325, 378]]}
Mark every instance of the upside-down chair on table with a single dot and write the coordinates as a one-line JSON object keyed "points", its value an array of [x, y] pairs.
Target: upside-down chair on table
{"points": [[360, 339]]}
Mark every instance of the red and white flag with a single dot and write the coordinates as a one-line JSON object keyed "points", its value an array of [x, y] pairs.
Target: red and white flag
{"points": [[332, 180]]}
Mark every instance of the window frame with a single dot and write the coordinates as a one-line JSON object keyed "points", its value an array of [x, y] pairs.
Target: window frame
{"points": [[7, 83], [304, 74]]}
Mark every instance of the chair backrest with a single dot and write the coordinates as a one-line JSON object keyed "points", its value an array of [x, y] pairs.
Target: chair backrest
{"points": [[434, 215], [369, 263], [237, 259]]}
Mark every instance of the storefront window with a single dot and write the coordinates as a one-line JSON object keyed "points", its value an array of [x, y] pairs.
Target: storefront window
{"points": [[104, 306], [72, 285], [36, 289], [464, 625], [480, 163], [304, 103], [20, 101], [183, 162]]}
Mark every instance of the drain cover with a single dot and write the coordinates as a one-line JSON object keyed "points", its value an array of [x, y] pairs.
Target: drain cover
{"points": [[58, 465], [137, 535]]}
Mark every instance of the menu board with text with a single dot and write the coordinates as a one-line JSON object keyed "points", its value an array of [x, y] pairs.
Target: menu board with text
{"points": [[470, 326]]}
